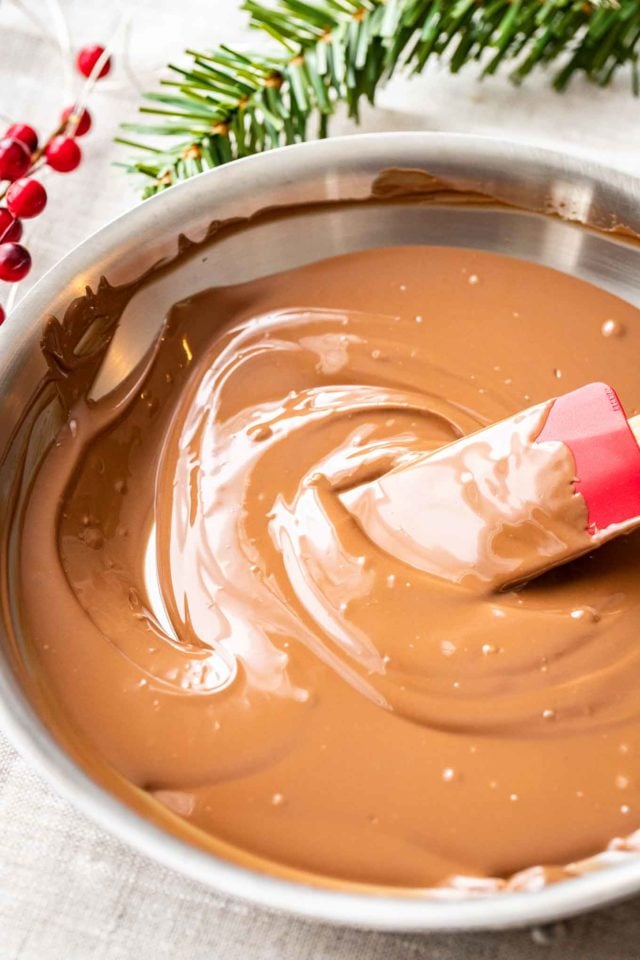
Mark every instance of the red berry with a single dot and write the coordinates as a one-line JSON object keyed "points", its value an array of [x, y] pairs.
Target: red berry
{"points": [[84, 122], [14, 159], [2, 315], [15, 262], [10, 228], [26, 198], [63, 154], [87, 59], [25, 134]]}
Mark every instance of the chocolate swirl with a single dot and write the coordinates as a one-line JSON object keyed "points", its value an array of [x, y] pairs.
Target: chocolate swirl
{"points": [[209, 614]]}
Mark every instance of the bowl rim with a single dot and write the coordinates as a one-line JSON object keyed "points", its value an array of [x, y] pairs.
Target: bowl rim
{"points": [[20, 722]]}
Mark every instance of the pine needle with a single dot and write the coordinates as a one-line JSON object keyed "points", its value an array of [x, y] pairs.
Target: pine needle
{"points": [[229, 103]]}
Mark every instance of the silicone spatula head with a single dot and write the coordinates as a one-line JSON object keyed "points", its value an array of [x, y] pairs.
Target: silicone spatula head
{"points": [[593, 425], [507, 503]]}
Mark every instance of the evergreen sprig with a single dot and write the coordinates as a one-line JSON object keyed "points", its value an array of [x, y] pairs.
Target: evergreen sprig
{"points": [[227, 103]]}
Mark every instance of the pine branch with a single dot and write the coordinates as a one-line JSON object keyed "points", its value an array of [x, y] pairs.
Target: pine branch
{"points": [[227, 103]]}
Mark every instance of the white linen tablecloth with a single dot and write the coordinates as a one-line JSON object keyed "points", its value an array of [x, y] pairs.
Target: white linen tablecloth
{"points": [[68, 891]]}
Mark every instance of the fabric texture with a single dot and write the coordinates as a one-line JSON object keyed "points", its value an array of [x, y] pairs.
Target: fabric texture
{"points": [[69, 891]]}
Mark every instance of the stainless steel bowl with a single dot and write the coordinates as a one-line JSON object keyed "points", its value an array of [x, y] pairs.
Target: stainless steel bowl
{"points": [[331, 170]]}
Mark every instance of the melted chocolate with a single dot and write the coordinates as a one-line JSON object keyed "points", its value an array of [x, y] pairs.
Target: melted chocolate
{"points": [[208, 617]]}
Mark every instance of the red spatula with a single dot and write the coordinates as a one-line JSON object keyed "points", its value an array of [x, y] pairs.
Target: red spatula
{"points": [[507, 503]]}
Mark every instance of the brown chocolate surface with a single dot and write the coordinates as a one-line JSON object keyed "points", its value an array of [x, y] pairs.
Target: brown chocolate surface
{"points": [[207, 615]]}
